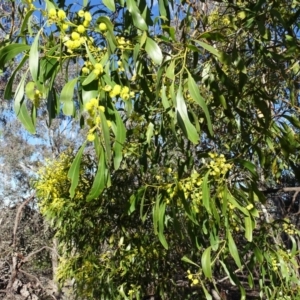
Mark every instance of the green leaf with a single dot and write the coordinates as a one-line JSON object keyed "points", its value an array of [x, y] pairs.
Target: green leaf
{"points": [[248, 165], [66, 97], [100, 181], [34, 57], [20, 107], [186, 259], [153, 51], [183, 119], [49, 5], [92, 76], [110, 4], [156, 212], [11, 51], [207, 47], [161, 217], [248, 228], [206, 293], [9, 84], [233, 249], [73, 173], [206, 262], [90, 55], [106, 137], [194, 91], [206, 193], [137, 18], [120, 136], [26, 22], [170, 70], [149, 132], [227, 272]]}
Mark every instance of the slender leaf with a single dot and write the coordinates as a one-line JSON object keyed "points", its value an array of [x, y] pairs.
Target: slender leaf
{"points": [[206, 193], [11, 51], [206, 262], [100, 181], [120, 136], [194, 91], [233, 249], [153, 51], [73, 173], [106, 137], [34, 57], [66, 97], [161, 217], [9, 84], [110, 4], [183, 119], [207, 47], [186, 259]]}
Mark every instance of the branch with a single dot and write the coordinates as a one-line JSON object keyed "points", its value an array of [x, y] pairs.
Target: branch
{"points": [[37, 281], [18, 218], [26, 259]]}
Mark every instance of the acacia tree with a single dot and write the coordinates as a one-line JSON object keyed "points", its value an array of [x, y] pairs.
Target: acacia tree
{"points": [[192, 111]]}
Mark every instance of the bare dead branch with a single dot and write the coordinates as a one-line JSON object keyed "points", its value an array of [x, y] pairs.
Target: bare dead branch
{"points": [[26, 259], [18, 218]]}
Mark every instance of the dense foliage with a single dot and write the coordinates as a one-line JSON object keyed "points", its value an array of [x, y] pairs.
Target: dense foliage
{"points": [[192, 109]]}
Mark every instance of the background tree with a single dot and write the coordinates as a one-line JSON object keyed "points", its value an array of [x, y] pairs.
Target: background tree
{"points": [[189, 135]]}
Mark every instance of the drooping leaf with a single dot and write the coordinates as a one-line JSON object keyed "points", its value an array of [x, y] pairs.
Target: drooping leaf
{"points": [[206, 193], [100, 180], [9, 84], [120, 136], [183, 119], [73, 172], [106, 137], [161, 216], [20, 106], [110, 4], [10, 51], [233, 249], [149, 132], [66, 97], [137, 18], [248, 229], [186, 259], [34, 58], [206, 262], [153, 51], [207, 47], [194, 91]]}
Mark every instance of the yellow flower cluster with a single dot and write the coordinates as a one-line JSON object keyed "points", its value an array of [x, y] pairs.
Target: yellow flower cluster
{"points": [[30, 5], [54, 15], [51, 184], [191, 187], [76, 39], [193, 278], [37, 98], [87, 17], [218, 165], [216, 18], [117, 90], [94, 120], [122, 43], [275, 264], [289, 228], [98, 69]]}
